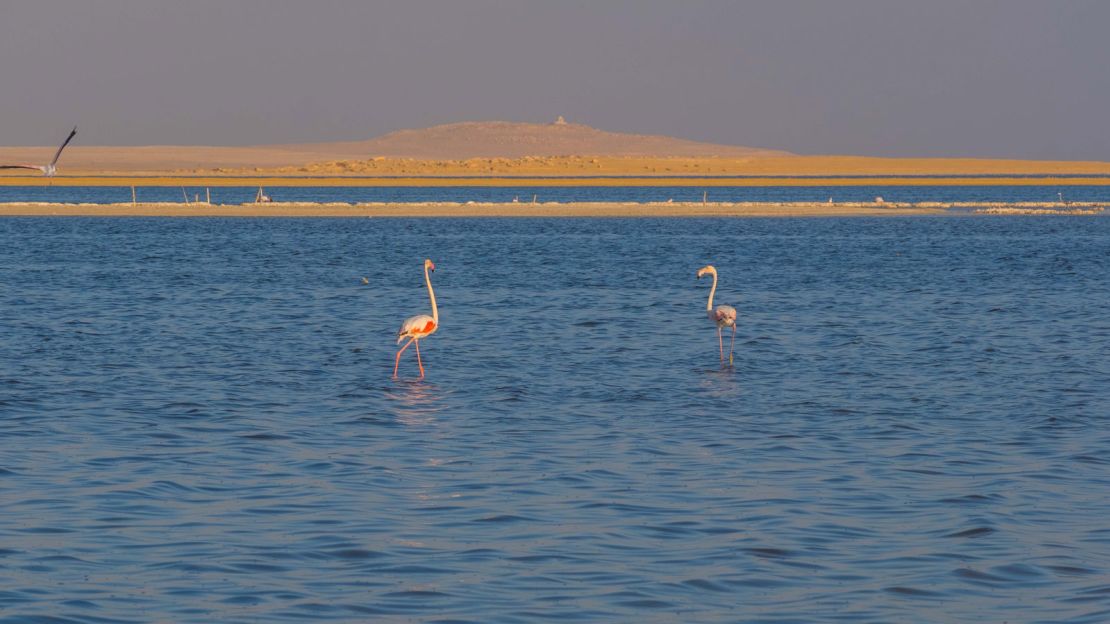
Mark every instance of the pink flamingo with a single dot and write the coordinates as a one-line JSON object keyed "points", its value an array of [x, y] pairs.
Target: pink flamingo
{"points": [[49, 169], [420, 326], [723, 315]]}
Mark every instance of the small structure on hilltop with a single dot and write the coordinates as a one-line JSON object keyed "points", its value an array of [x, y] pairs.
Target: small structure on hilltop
{"points": [[559, 121]]}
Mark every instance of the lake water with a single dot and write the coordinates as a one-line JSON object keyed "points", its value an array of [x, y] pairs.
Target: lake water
{"points": [[198, 424], [357, 194]]}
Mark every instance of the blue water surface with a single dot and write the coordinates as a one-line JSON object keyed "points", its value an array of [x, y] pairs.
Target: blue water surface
{"points": [[366, 194], [198, 424]]}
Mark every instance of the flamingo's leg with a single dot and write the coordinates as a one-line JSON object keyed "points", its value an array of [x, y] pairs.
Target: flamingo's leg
{"points": [[721, 344], [397, 360], [731, 345], [418, 362]]}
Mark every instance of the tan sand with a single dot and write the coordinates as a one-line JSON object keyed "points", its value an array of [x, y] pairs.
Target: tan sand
{"points": [[513, 140], [585, 209], [469, 143], [514, 153]]}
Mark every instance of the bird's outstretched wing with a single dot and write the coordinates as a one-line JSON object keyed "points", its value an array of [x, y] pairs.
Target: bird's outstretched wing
{"points": [[20, 167], [58, 154]]}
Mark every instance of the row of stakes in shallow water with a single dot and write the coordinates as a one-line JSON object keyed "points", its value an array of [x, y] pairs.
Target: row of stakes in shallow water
{"points": [[259, 197], [415, 328]]}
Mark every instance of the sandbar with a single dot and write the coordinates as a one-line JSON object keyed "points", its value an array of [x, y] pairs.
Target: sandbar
{"points": [[550, 209]]}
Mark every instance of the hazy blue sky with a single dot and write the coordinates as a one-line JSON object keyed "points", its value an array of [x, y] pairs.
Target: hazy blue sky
{"points": [[1008, 78]]}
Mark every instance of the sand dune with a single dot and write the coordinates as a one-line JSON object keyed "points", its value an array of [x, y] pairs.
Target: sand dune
{"points": [[504, 139], [98, 160], [215, 163], [453, 142], [509, 150]]}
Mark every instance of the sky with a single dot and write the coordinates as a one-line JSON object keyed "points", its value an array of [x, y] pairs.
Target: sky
{"points": [[972, 78]]}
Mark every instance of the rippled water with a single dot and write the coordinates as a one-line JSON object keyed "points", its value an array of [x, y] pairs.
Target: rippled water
{"points": [[197, 421], [357, 194]]}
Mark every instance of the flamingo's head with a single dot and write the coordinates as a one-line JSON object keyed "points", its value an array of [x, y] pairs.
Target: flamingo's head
{"points": [[707, 269], [429, 265]]}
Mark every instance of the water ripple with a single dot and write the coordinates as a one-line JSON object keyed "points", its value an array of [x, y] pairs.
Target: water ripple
{"points": [[197, 422]]}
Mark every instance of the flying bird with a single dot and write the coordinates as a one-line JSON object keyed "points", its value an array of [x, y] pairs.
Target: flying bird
{"points": [[722, 316], [47, 170], [420, 326]]}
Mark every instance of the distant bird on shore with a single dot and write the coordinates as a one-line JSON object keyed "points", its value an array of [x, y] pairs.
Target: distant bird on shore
{"points": [[723, 315], [421, 326], [47, 170]]}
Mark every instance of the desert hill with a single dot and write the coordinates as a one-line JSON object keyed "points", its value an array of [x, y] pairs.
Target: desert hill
{"points": [[457, 141], [498, 148], [505, 139]]}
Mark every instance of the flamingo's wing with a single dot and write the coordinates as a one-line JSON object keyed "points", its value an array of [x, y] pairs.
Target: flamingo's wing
{"points": [[58, 154], [418, 325], [725, 315]]}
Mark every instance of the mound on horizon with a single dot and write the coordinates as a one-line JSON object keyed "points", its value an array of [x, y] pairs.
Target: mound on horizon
{"points": [[449, 142], [506, 139], [504, 148]]}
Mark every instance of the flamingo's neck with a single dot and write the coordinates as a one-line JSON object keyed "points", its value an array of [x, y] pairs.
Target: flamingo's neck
{"points": [[709, 305], [432, 296]]}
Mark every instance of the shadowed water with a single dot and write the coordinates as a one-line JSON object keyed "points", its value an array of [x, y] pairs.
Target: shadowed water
{"points": [[197, 421]]}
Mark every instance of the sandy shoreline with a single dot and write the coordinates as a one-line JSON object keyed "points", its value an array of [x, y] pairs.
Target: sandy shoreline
{"points": [[582, 209], [195, 182], [338, 165]]}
